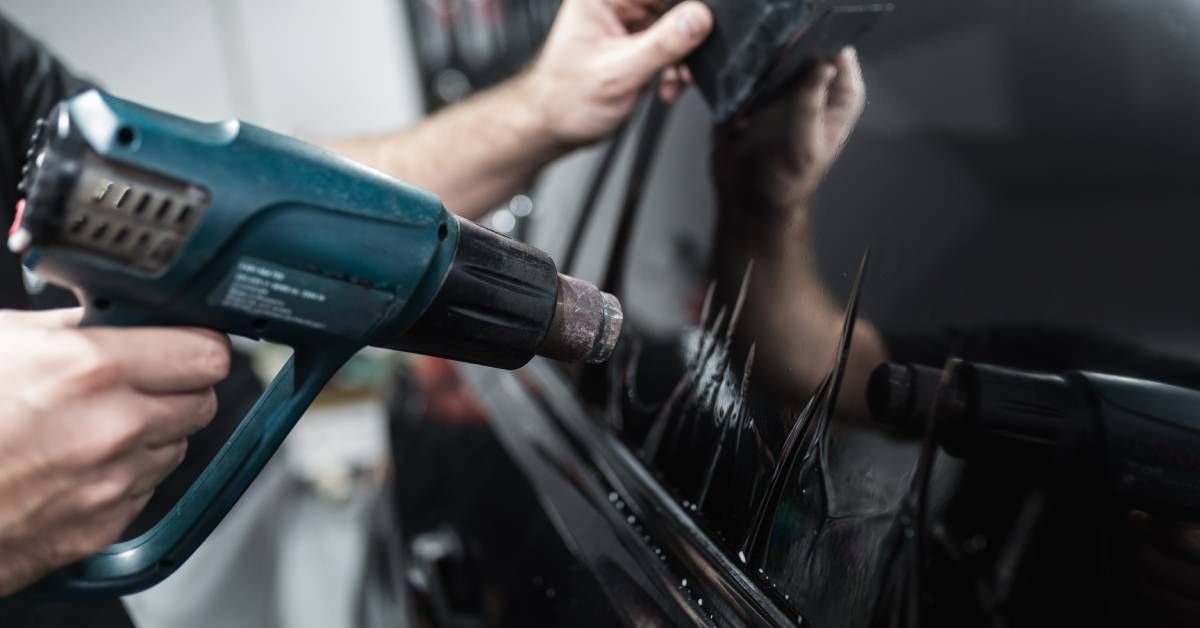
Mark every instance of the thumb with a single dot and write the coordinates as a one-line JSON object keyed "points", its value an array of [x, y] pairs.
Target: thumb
{"points": [[48, 319], [671, 38]]}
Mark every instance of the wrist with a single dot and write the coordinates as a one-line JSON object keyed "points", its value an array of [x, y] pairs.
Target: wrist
{"points": [[763, 207], [788, 181], [532, 113]]}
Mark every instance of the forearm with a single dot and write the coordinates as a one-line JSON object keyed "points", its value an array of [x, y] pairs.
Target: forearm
{"points": [[474, 154], [796, 323], [767, 171]]}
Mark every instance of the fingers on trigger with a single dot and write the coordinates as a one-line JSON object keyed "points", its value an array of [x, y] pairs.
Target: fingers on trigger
{"points": [[158, 463]]}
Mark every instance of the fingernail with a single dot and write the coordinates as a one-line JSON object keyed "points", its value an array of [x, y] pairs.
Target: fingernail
{"points": [[690, 22]]}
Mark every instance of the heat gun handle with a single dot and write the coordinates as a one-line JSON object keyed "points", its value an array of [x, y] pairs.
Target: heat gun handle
{"points": [[142, 562]]}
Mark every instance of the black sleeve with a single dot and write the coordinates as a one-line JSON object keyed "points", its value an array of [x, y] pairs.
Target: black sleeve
{"points": [[31, 82]]}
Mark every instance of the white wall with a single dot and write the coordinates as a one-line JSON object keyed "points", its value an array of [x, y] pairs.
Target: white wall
{"points": [[314, 68], [328, 69], [165, 53]]}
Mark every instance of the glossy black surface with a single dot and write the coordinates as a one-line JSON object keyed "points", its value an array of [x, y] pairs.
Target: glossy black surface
{"points": [[1020, 193]]}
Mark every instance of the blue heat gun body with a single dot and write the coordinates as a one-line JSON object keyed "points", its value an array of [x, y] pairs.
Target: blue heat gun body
{"points": [[153, 219]]}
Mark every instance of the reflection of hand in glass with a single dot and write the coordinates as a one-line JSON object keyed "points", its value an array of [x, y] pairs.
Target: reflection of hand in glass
{"points": [[767, 168], [790, 145]]}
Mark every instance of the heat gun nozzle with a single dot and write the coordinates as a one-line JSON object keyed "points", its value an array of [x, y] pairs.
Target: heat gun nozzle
{"points": [[503, 302], [587, 324]]}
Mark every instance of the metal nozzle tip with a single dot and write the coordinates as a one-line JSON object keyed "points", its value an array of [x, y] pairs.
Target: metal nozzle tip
{"points": [[610, 332], [587, 324]]}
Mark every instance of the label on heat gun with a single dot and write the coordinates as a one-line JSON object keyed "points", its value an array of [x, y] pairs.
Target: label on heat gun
{"points": [[270, 291]]}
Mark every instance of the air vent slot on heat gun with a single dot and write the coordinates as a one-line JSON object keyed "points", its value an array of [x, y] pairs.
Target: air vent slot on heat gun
{"points": [[133, 217]]}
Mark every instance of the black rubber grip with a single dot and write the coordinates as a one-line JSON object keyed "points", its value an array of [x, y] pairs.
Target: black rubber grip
{"points": [[495, 306]]}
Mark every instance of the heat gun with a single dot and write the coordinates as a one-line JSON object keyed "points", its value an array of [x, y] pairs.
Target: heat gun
{"points": [[153, 219], [1144, 434]]}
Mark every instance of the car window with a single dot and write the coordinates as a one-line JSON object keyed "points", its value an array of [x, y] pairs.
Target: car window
{"points": [[1019, 194]]}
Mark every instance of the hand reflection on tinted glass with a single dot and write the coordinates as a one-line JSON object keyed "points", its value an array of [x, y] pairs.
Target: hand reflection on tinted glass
{"points": [[767, 167]]}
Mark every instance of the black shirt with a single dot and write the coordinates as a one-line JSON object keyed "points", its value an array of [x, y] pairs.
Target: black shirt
{"points": [[32, 81]]}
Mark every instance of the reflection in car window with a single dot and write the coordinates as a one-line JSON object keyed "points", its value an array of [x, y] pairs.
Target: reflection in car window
{"points": [[1019, 193]]}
